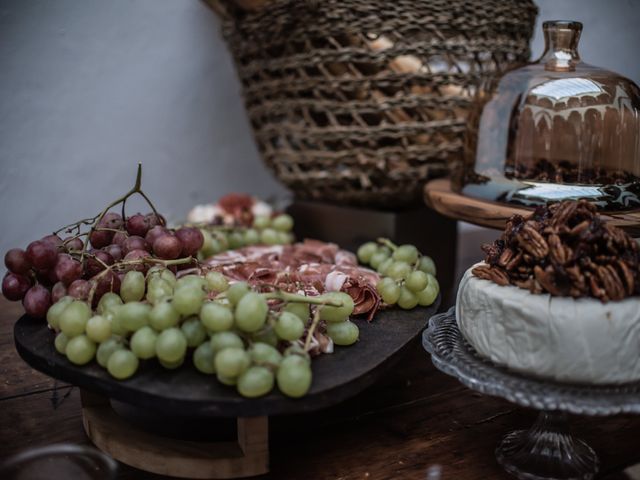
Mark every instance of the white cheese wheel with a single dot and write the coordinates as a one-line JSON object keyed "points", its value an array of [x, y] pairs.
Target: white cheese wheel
{"points": [[557, 338]]}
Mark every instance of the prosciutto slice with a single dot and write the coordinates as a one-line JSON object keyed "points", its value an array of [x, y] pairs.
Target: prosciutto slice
{"points": [[311, 267]]}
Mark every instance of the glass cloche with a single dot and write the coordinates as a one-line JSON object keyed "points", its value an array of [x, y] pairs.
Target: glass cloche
{"points": [[555, 129]]}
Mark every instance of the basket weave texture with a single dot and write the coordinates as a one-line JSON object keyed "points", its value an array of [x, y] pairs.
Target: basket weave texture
{"points": [[359, 102]]}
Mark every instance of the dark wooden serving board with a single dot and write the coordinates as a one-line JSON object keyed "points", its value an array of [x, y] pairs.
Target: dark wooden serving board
{"points": [[336, 377]]}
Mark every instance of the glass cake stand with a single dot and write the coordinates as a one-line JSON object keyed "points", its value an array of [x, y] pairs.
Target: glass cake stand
{"points": [[545, 451]]}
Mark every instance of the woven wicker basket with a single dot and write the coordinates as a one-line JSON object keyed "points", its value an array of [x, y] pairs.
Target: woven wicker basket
{"points": [[361, 101]]}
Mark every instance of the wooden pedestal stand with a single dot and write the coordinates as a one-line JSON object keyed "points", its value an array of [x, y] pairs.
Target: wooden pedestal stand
{"points": [[112, 434]]}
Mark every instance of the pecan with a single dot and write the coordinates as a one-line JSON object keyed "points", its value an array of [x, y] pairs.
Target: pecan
{"points": [[579, 228], [557, 251], [546, 278], [494, 274], [596, 290], [514, 262], [532, 242], [627, 276]]}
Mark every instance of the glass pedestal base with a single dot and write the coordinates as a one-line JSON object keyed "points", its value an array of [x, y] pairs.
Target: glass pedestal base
{"points": [[547, 451]]}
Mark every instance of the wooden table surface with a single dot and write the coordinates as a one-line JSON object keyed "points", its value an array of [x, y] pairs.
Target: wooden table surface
{"points": [[415, 418]]}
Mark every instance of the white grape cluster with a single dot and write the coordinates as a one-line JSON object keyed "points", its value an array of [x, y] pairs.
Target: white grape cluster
{"points": [[265, 230], [230, 331], [408, 278]]}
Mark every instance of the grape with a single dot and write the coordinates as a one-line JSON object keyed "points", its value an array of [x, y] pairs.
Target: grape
{"points": [[236, 240], [251, 236], [53, 240], [298, 350], [171, 345], [73, 319], [134, 315], [282, 223], [232, 361], [203, 359], [172, 365], [216, 317], [266, 335], [111, 220], [155, 219], [16, 261], [96, 265], [98, 328], [222, 340], [67, 269], [187, 300], [434, 280], [79, 289], [122, 364], [137, 225], [264, 354], [137, 255], [114, 251], [42, 255], [108, 281], [108, 300], [193, 331], [61, 342], [143, 343], [37, 301], [106, 348], [231, 381], [154, 233], [53, 314], [193, 281], [58, 291], [163, 316], [384, 266], [366, 251], [236, 292], [119, 239], [284, 238], [117, 327], [261, 222], [216, 282], [15, 286], [407, 299], [167, 247], [417, 281], [426, 265], [427, 296], [100, 238], [299, 309], [255, 382], [161, 272], [132, 288], [80, 350], [158, 290], [398, 270], [289, 326], [294, 376], [73, 244], [343, 333], [336, 314], [406, 253], [251, 312], [192, 240], [378, 257], [269, 236], [389, 290], [133, 243]]}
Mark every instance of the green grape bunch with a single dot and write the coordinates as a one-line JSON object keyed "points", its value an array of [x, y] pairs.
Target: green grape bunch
{"points": [[408, 278]]}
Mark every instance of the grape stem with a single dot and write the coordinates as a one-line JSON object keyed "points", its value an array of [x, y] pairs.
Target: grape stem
{"points": [[312, 329], [388, 243], [296, 298]]}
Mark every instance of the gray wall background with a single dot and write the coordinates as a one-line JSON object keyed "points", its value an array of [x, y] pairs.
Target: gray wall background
{"points": [[88, 88]]}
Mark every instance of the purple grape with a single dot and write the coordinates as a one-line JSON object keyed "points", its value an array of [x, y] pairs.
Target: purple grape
{"points": [[67, 269], [112, 220], [114, 251], [93, 266], [79, 289], [37, 301], [135, 255], [134, 243], [109, 282], [73, 243], [167, 247], [119, 238], [155, 233], [16, 261], [100, 238], [15, 286], [138, 224], [155, 220], [192, 240], [58, 291], [42, 255], [53, 240]]}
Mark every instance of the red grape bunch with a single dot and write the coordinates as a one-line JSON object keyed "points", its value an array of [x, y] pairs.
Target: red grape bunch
{"points": [[94, 255]]}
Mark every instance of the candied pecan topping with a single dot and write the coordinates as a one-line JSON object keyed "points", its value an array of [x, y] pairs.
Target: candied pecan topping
{"points": [[564, 249]]}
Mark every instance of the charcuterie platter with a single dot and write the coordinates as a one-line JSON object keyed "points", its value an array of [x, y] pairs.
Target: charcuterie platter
{"points": [[337, 376]]}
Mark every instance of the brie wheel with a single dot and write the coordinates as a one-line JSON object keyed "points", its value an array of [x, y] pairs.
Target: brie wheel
{"points": [[558, 338]]}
